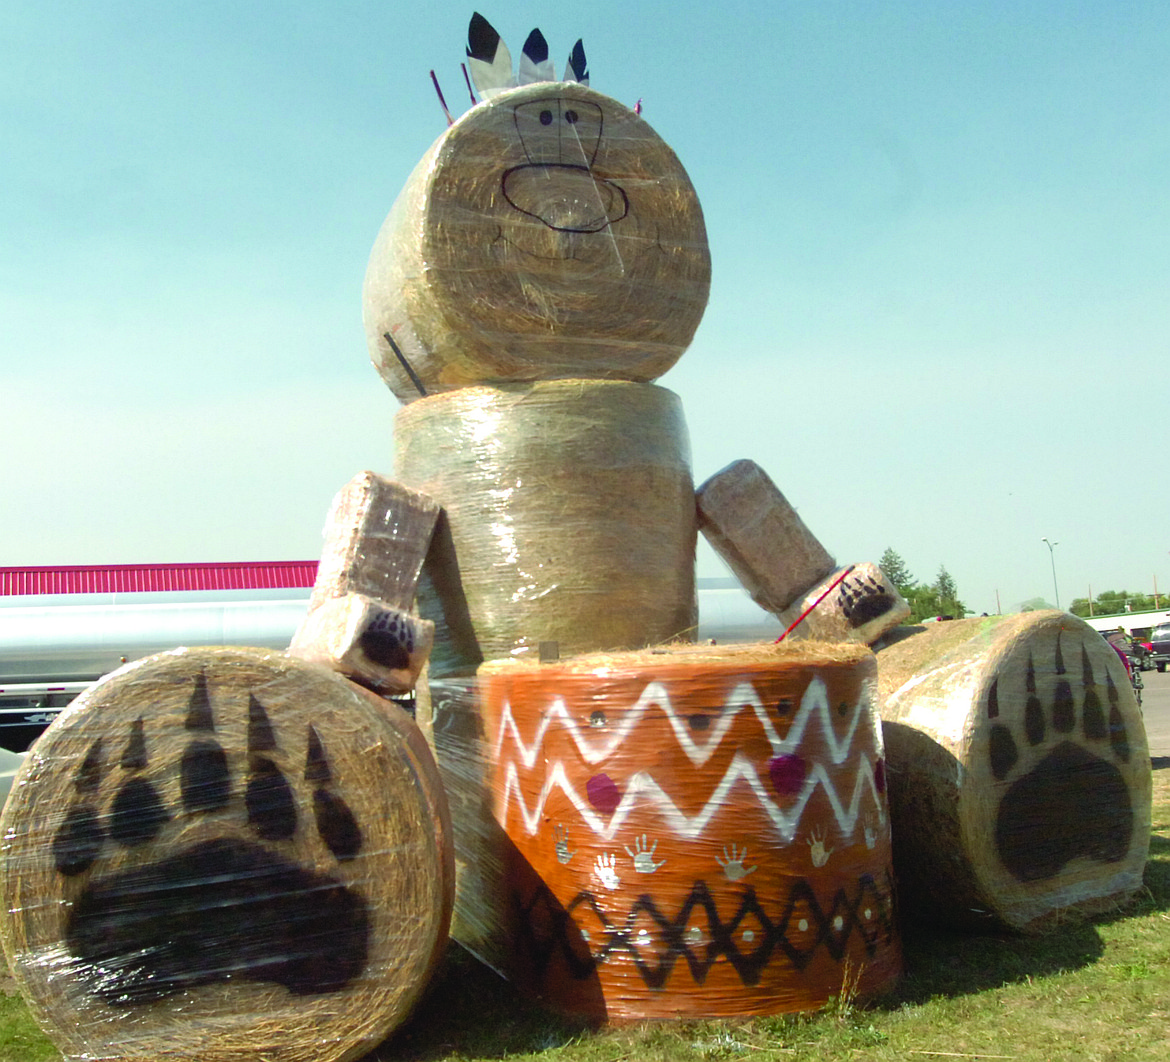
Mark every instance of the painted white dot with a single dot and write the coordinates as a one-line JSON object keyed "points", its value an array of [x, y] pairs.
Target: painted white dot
{"points": [[749, 935], [868, 914], [585, 935], [643, 936], [694, 934], [838, 922], [802, 925]]}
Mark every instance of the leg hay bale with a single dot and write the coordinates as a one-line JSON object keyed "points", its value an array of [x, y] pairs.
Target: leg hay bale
{"points": [[225, 854], [1019, 771], [693, 832]]}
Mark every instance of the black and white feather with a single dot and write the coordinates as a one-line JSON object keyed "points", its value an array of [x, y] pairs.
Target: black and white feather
{"points": [[489, 58], [576, 68], [535, 65]]}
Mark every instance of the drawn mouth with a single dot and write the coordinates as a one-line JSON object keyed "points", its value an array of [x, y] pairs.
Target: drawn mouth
{"points": [[565, 197]]}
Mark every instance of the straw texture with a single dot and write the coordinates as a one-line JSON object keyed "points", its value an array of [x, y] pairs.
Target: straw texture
{"points": [[225, 854], [1019, 771], [569, 517], [549, 233]]}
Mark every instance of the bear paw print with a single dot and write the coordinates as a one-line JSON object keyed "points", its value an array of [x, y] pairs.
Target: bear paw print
{"points": [[221, 909], [863, 599], [388, 640], [1062, 769]]}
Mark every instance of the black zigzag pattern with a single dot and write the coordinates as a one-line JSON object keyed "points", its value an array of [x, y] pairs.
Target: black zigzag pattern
{"points": [[546, 930]]}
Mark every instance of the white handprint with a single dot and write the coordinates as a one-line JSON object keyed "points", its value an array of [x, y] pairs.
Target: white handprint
{"points": [[564, 854], [604, 869], [643, 858], [732, 863], [816, 844]]}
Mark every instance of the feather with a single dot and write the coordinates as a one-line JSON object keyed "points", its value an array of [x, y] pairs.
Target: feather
{"points": [[535, 64], [576, 69], [488, 57]]}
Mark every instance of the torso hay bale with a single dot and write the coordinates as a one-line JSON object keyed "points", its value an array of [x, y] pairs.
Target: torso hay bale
{"points": [[1019, 771], [526, 246], [569, 516], [691, 833], [223, 854]]}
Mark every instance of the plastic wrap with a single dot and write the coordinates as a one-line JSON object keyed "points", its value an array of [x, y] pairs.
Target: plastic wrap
{"points": [[692, 832], [549, 233], [751, 525], [858, 604], [221, 854], [568, 517], [1019, 771]]}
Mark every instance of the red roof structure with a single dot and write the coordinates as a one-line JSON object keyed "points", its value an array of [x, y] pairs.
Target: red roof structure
{"points": [[143, 578]]}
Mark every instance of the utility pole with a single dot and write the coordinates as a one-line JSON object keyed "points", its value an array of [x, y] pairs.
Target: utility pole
{"points": [[1052, 557]]}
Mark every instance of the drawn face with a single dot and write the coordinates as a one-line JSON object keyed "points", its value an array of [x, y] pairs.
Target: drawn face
{"points": [[549, 233]]}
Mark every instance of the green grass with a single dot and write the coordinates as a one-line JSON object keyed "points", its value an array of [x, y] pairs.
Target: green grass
{"points": [[1093, 991]]}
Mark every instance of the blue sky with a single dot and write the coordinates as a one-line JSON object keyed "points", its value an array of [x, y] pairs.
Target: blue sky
{"points": [[940, 233]]}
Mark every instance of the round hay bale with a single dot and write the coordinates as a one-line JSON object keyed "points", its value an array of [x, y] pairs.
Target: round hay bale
{"points": [[693, 832], [569, 517], [548, 233], [224, 854], [1019, 771]]}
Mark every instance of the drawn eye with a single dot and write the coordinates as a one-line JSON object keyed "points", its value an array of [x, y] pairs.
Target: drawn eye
{"points": [[546, 117], [571, 117]]}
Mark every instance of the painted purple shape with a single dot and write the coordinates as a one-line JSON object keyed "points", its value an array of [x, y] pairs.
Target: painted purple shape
{"points": [[788, 774], [603, 793]]}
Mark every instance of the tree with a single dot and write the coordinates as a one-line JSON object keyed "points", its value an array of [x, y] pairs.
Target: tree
{"points": [[896, 571], [948, 595]]}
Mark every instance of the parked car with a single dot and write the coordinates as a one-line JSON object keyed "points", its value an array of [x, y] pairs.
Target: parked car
{"points": [[1160, 646]]}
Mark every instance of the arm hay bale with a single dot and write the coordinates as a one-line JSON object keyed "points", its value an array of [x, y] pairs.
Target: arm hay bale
{"points": [[862, 607], [569, 517], [1019, 771], [691, 832], [376, 536], [765, 543], [367, 641], [549, 233], [225, 854]]}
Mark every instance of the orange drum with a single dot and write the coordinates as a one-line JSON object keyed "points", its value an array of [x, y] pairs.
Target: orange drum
{"points": [[693, 832]]}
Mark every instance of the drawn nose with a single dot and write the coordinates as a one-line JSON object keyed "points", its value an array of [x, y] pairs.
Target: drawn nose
{"points": [[565, 198]]}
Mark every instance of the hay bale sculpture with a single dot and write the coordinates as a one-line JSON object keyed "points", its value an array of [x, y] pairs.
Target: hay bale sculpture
{"points": [[545, 262], [225, 854], [1019, 772]]}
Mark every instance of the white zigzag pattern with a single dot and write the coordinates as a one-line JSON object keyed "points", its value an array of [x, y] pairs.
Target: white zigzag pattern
{"points": [[815, 700], [643, 785]]}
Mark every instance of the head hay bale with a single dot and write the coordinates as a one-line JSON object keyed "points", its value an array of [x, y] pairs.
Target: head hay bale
{"points": [[1019, 771], [568, 517], [225, 854], [549, 233], [693, 832]]}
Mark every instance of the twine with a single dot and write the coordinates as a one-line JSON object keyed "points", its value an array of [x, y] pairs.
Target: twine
{"points": [[473, 289], [375, 760], [569, 516]]}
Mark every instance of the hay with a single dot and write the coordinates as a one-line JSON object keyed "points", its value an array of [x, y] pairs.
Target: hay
{"points": [[225, 854], [743, 786], [569, 517], [858, 605], [751, 525], [376, 537], [1019, 771], [524, 251]]}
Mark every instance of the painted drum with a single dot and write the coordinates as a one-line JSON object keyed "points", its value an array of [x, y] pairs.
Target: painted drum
{"points": [[694, 832], [548, 233], [1020, 774], [225, 854]]}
